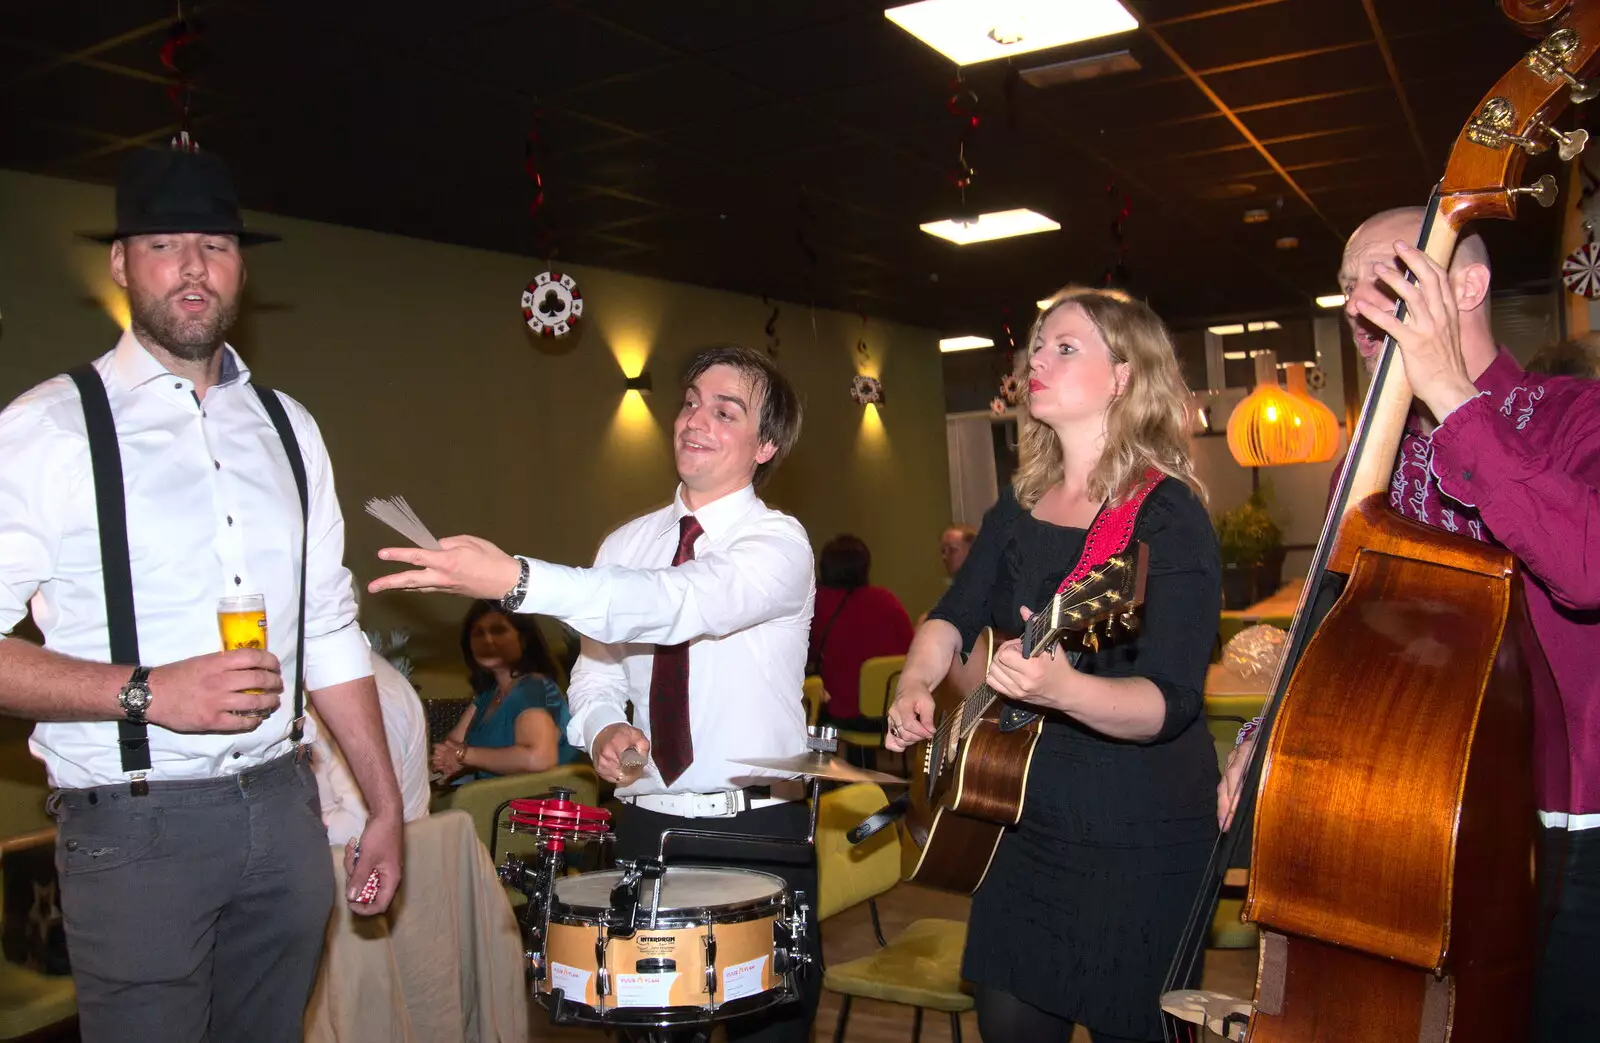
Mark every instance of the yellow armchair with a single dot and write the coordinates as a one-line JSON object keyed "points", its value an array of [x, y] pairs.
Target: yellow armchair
{"points": [[921, 966]]}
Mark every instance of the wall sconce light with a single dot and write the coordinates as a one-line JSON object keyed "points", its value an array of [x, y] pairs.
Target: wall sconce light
{"points": [[866, 391], [642, 383]]}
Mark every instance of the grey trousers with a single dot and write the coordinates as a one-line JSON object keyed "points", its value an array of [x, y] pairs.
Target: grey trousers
{"points": [[196, 912]]}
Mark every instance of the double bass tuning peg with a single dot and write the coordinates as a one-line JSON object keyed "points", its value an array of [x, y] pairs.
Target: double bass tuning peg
{"points": [[1570, 145], [1542, 191]]}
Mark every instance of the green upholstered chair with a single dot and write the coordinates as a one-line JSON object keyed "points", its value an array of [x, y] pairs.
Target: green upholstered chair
{"points": [[921, 966], [34, 1006], [484, 798]]}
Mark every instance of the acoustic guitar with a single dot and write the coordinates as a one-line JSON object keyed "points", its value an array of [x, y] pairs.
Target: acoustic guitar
{"points": [[968, 783]]}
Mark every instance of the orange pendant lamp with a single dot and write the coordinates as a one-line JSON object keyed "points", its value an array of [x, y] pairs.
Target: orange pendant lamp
{"points": [[1273, 426]]}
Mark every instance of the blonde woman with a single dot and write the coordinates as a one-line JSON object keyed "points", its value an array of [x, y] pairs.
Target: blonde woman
{"points": [[1081, 909]]}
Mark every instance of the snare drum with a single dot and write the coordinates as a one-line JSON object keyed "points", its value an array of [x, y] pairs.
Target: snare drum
{"points": [[719, 937]]}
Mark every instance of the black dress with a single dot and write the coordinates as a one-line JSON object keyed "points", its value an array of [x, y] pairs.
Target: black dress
{"points": [[1081, 910]]}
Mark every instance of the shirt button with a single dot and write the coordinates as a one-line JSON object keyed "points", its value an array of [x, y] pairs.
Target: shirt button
{"points": [[236, 581], [72, 845], [235, 754], [230, 519], [178, 386], [218, 463], [1466, 476]]}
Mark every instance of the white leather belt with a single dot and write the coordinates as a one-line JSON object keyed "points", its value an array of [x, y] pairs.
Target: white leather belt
{"points": [[1571, 823], [724, 804]]}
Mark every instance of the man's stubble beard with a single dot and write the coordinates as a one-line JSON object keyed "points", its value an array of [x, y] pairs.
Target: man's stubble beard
{"points": [[194, 339]]}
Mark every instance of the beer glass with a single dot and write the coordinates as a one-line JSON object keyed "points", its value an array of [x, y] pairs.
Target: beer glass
{"points": [[243, 623]]}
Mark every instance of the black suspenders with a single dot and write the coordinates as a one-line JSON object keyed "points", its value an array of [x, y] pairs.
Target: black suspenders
{"points": [[105, 459]]}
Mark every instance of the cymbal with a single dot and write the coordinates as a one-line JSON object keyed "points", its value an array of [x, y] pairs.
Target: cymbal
{"points": [[821, 766]]}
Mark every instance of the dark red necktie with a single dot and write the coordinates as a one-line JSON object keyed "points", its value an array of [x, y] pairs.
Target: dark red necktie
{"points": [[670, 742]]}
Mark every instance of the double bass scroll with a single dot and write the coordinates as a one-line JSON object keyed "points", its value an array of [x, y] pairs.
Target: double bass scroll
{"points": [[1390, 799]]}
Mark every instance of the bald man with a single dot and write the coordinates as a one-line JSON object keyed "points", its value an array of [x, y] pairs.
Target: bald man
{"points": [[1497, 454]]}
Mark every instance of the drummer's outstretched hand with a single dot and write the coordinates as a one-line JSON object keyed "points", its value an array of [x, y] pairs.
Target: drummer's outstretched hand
{"points": [[910, 719], [608, 748], [464, 565]]}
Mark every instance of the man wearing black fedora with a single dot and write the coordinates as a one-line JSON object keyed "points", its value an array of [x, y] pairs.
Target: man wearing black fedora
{"points": [[136, 493]]}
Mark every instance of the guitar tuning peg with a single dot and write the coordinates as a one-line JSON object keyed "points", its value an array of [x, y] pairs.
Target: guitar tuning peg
{"points": [[1130, 622], [1091, 640], [1570, 145], [1542, 191]]}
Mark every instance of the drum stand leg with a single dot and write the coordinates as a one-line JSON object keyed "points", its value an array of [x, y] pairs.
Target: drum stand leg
{"points": [[670, 1035]]}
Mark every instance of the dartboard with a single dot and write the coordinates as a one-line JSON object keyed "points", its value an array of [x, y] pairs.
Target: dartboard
{"points": [[552, 304], [1581, 271]]}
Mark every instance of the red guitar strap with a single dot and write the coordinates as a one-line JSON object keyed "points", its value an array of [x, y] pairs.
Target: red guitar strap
{"points": [[1112, 531]]}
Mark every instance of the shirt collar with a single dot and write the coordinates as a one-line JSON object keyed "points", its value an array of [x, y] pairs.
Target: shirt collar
{"points": [[135, 366], [715, 517]]}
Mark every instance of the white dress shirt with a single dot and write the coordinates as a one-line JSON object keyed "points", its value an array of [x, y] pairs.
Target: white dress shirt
{"points": [[344, 811], [212, 512], [744, 606]]}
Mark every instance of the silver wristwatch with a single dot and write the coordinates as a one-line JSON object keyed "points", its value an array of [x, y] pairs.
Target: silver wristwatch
{"points": [[135, 695], [513, 600]]}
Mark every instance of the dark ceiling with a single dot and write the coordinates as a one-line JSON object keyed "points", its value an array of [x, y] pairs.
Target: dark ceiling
{"points": [[791, 147]]}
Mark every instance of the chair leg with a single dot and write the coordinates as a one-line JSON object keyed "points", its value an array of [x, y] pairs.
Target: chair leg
{"points": [[955, 1027], [916, 1025], [844, 1016]]}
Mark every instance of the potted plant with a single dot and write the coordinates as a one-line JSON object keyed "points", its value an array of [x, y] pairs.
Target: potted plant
{"points": [[1251, 545]]}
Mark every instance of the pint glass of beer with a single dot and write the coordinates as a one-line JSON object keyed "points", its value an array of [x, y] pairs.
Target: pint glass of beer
{"points": [[243, 622]]}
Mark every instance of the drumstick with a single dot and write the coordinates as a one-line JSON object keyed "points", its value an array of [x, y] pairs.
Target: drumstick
{"points": [[630, 765]]}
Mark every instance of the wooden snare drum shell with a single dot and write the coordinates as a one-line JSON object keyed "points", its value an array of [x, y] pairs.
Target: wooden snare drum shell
{"points": [[573, 945], [744, 931]]}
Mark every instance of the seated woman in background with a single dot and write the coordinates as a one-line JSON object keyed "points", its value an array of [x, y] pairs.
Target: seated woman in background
{"points": [[517, 722], [853, 622]]}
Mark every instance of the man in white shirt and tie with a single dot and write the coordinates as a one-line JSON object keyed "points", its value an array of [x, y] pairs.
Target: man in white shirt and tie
{"points": [[195, 879], [699, 615]]}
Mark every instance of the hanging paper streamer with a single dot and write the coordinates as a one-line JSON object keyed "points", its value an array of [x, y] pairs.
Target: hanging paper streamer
{"points": [[181, 38], [544, 225], [1580, 272], [963, 104], [772, 328], [1117, 274]]}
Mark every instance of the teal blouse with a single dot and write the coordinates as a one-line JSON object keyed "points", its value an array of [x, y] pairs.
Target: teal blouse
{"points": [[499, 729]]}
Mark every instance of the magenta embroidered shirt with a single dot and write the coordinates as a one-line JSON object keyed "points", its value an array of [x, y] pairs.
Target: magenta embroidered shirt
{"points": [[1519, 466]]}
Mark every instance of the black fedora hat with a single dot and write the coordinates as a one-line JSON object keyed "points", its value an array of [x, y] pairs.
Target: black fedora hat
{"points": [[174, 190]]}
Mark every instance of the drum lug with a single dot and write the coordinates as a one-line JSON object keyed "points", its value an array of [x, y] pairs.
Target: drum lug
{"points": [[602, 977], [711, 964]]}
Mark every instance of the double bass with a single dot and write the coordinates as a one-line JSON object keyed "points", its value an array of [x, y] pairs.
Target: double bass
{"points": [[1389, 809]]}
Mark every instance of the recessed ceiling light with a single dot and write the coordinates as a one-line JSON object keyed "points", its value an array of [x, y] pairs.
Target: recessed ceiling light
{"points": [[1331, 300], [964, 343], [1001, 224], [1256, 217], [1079, 69], [1226, 331], [968, 31], [1235, 356], [1288, 242], [1044, 302]]}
